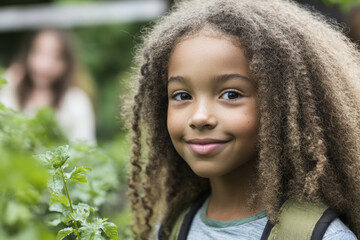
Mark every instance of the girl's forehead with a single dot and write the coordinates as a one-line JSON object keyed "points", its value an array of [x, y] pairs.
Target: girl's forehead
{"points": [[211, 32], [204, 57]]}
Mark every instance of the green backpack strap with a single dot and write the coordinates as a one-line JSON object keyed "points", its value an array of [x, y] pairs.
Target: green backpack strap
{"points": [[177, 226], [297, 220], [183, 223]]}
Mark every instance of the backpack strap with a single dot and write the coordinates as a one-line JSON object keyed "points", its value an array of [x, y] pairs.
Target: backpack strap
{"points": [[324, 222], [300, 221], [185, 227], [267, 231], [183, 223], [175, 231], [297, 221]]}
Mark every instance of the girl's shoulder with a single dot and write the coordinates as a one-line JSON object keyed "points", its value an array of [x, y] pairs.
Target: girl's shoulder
{"points": [[76, 92], [76, 103], [75, 99], [338, 230]]}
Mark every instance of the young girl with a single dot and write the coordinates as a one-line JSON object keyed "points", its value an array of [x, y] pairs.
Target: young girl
{"points": [[251, 112], [44, 75]]}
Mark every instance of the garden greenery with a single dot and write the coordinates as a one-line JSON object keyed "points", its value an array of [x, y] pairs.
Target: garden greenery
{"points": [[78, 215], [53, 189]]}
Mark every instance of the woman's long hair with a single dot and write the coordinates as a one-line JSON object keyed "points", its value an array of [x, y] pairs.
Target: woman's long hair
{"points": [[25, 84], [307, 74]]}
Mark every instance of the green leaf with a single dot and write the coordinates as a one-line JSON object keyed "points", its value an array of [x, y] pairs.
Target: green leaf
{"points": [[61, 155], [57, 207], [110, 230], [81, 212], [67, 215], [56, 159], [92, 230], [65, 212], [82, 169], [59, 198], [56, 184], [54, 222], [45, 159], [64, 232], [77, 176], [92, 235]]}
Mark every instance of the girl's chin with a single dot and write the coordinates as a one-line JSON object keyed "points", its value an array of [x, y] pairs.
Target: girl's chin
{"points": [[207, 171]]}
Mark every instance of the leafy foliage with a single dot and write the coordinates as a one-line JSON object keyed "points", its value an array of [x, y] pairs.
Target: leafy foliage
{"points": [[49, 192], [70, 214]]}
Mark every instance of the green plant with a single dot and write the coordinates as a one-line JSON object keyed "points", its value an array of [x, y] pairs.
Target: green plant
{"points": [[27, 186], [84, 227]]}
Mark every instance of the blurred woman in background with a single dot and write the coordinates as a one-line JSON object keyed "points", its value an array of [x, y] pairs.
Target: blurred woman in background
{"points": [[44, 75]]}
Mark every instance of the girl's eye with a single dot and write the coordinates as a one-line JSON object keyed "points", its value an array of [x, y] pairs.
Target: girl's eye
{"points": [[182, 96], [231, 95]]}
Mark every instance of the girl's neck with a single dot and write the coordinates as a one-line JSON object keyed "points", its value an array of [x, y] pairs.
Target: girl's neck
{"points": [[230, 194]]}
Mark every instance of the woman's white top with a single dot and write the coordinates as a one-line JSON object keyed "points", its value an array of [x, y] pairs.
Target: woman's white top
{"points": [[75, 114]]}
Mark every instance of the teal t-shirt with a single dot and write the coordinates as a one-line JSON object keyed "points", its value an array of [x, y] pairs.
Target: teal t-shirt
{"points": [[250, 228]]}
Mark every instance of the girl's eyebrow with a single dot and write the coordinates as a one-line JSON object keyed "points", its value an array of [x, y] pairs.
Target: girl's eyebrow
{"points": [[225, 77], [176, 79], [220, 78]]}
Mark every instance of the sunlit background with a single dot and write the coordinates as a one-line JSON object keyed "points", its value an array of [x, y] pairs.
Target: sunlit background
{"points": [[105, 34]]}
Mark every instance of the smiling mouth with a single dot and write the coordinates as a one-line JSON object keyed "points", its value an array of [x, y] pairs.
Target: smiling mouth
{"points": [[205, 146]]}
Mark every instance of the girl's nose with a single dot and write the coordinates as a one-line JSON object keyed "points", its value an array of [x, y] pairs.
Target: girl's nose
{"points": [[202, 118]]}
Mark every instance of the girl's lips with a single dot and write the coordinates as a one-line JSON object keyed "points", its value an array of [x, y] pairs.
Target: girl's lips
{"points": [[205, 146], [203, 149]]}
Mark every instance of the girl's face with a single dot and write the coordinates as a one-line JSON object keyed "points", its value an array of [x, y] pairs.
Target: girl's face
{"points": [[212, 114], [46, 61]]}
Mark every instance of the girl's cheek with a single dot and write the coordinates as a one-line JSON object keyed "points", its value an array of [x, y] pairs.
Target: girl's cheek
{"points": [[171, 125], [175, 123]]}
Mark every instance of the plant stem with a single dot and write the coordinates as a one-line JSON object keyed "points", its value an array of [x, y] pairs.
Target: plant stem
{"points": [[71, 206]]}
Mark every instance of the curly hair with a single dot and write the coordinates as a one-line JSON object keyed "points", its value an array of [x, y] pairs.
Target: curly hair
{"points": [[307, 75]]}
